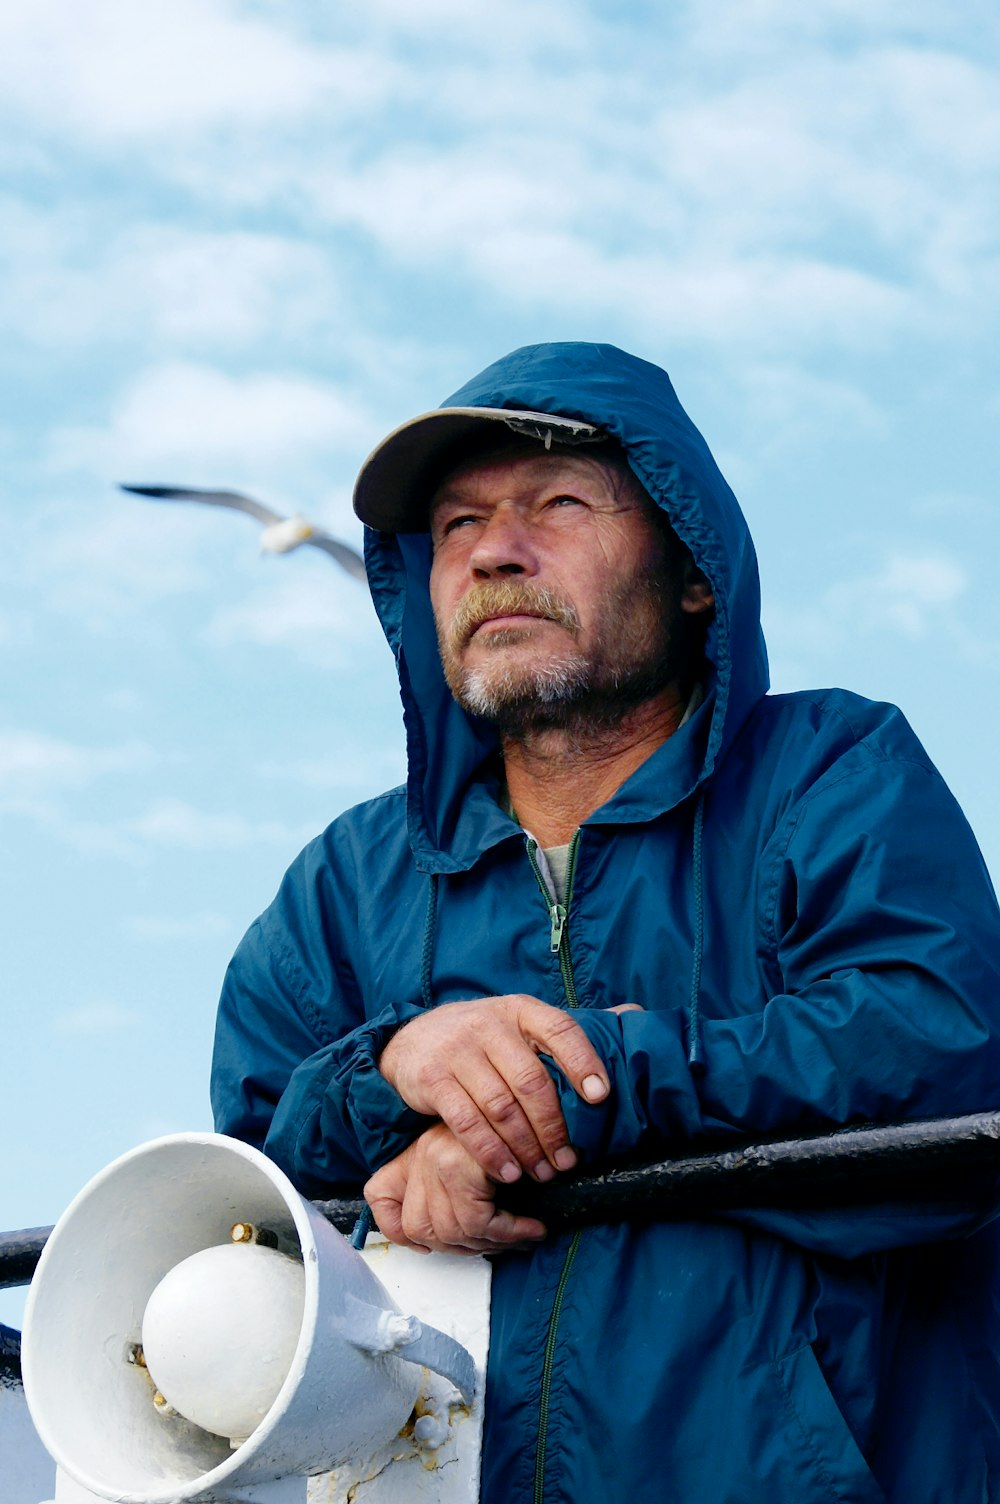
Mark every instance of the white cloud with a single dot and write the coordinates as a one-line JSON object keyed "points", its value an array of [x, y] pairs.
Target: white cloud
{"points": [[230, 287], [633, 240], [756, 31], [801, 197], [523, 28], [950, 506], [183, 928], [175, 823], [908, 591], [92, 1019], [773, 299], [34, 765], [425, 201], [67, 281], [41, 778], [118, 73], [124, 701], [188, 415], [772, 176], [782, 404], [323, 617], [949, 105], [98, 555], [888, 147], [165, 823], [910, 596], [382, 767]]}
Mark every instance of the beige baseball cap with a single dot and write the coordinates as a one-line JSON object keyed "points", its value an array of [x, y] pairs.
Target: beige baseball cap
{"points": [[398, 478]]}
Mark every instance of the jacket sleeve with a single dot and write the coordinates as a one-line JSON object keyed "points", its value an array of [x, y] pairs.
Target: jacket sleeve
{"points": [[282, 1078], [882, 925]]}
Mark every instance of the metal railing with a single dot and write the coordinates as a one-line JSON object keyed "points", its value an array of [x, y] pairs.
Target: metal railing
{"points": [[935, 1160]]}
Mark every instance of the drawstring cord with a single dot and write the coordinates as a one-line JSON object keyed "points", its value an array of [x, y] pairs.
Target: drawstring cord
{"points": [[362, 1227], [430, 927], [696, 1049]]}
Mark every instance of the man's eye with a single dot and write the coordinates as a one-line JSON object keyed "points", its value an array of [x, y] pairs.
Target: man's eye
{"points": [[565, 501], [456, 522]]}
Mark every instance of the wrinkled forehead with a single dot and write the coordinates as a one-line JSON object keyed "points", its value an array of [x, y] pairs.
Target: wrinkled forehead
{"points": [[523, 466]]}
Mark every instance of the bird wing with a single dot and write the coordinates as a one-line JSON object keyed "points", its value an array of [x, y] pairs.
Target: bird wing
{"points": [[348, 558], [235, 500]]}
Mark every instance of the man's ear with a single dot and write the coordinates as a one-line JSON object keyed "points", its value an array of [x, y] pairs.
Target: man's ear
{"points": [[696, 593]]}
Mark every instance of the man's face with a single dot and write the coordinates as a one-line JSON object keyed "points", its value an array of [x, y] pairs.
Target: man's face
{"points": [[555, 592]]}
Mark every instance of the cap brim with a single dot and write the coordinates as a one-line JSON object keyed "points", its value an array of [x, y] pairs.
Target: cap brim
{"points": [[397, 479]]}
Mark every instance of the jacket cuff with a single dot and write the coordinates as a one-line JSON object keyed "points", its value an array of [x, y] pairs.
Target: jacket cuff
{"points": [[590, 1124], [385, 1125]]}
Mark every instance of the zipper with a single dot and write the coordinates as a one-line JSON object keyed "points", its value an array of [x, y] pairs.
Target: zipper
{"points": [[538, 1492], [558, 914], [558, 944]]}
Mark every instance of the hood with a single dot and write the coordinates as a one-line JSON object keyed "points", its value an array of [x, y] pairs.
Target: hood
{"points": [[452, 783]]}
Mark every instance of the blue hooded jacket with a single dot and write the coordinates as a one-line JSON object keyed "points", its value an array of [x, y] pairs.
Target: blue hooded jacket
{"points": [[791, 893]]}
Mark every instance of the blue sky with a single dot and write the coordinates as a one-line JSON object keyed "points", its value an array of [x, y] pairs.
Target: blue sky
{"points": [[242, 239]]}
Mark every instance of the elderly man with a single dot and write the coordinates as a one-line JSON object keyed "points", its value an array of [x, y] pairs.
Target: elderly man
{"points": [[628, 903]]}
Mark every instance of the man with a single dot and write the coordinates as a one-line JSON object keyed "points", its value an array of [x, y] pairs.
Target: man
{"points": [[628, 904]]}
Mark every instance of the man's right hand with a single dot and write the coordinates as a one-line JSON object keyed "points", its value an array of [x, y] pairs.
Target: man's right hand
{"points": [[434, 1197], [475, 1066]]}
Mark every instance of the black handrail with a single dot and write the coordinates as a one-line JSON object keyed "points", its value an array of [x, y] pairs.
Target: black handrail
{"points": [[19, 1254], [905, 1162]]}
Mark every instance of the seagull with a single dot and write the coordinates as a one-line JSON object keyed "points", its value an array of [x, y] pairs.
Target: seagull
{"points": [[280, 534]]}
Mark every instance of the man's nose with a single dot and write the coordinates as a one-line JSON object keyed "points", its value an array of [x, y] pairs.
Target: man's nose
{"points": [[503, 547]]}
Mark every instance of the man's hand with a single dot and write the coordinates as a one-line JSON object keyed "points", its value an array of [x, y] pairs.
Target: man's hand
{"points": [[434, 1196], [475, 1066]]}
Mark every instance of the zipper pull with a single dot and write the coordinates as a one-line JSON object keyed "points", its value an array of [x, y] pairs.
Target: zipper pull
{"points": [[557, 914]]}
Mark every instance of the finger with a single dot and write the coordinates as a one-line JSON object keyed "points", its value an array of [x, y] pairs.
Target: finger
{"points": [[528, 1116], [416, 1231], [519, 1100], [505, 1230], [449, 1239], [557, 1034], [626, 1008], [470, 1198], [469, 1089], [432, 1224], [429, 1217], [457, 1218], [388, 1217], [385, 1194], [459, 1108]]}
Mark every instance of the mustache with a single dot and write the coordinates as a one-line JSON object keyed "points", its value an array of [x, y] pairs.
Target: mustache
{"points": [[507, 598]]}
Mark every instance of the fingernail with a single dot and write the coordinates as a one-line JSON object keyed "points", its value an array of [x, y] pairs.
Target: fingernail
{"points": [[543, 1170], [594, 1088], [565, 1158], [510, 1171]]}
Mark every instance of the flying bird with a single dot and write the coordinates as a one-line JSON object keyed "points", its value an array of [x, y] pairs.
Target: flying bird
{"points": [[280, 534]]}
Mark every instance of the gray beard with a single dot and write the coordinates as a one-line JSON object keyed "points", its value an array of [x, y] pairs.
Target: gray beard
{"points": [[542, 692], [642, 650], [559, 695]]}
